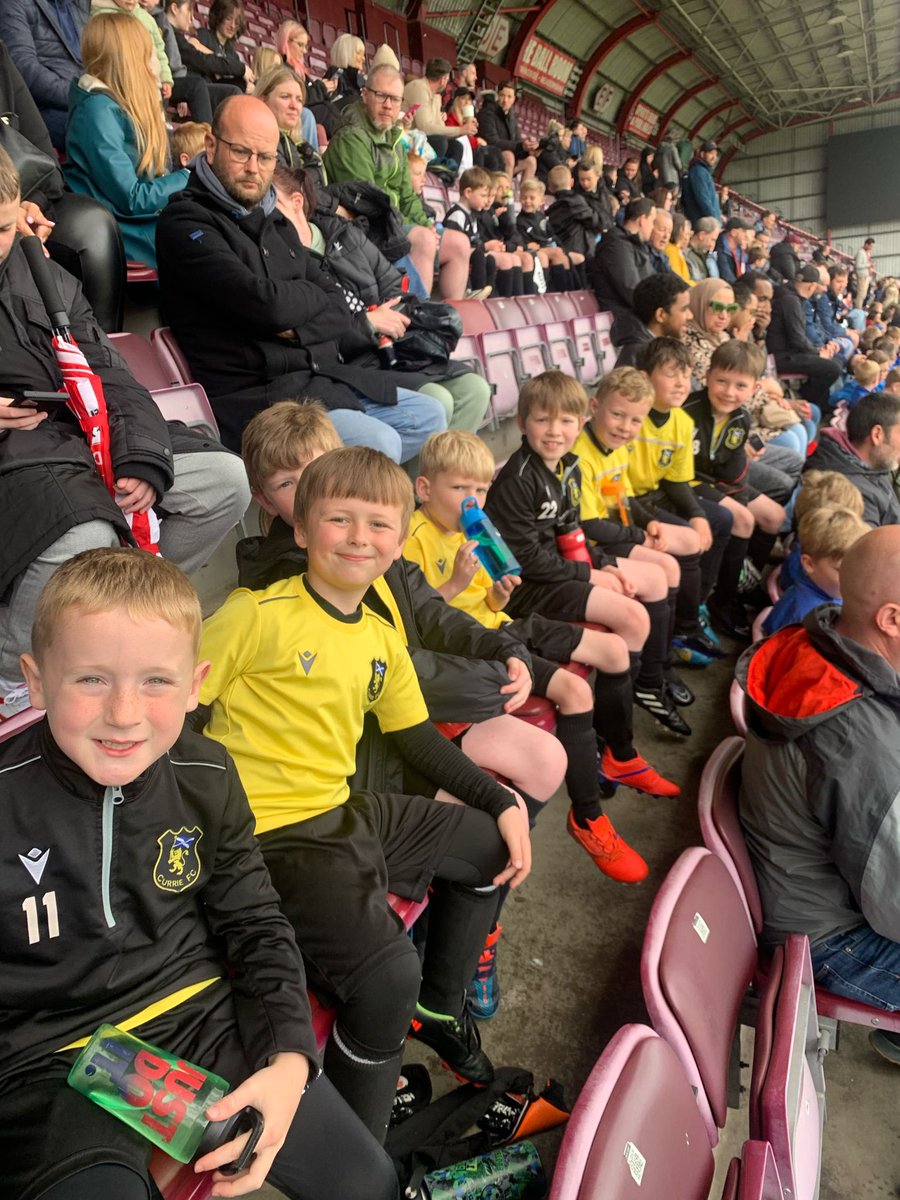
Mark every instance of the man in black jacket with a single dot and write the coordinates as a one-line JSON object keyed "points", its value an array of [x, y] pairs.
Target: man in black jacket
{"points": [[497, 125], [53, 501], [786, 338], [257, 316], [620, 262]]}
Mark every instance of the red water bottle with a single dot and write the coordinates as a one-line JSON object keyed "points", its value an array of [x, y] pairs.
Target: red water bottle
{"points": [[572, 544]]}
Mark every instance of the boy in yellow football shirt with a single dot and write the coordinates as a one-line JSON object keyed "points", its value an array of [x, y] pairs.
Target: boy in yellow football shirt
{"points": [[296, 667]]}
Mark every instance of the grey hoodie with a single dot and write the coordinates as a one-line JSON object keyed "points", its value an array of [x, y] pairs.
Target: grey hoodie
{"points": [[820, 794], [835, 453]]}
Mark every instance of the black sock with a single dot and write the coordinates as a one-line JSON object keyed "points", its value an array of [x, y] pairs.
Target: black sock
{"points": [[478, 268], [459, 920], [761, 547], [613, 703], [365, 1079], [688, 594], [726, 590], [672, 602], [656, 647], [579, 276], [530, 285], [711, 562], [503, 283], [558, 279], [576, 732], [518, 281]]}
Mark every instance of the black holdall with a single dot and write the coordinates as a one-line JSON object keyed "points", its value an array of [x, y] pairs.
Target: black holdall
{"points": [[38, 171], [434, 331]]}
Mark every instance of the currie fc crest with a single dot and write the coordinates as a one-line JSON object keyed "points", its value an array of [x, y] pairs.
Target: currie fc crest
{"points": [[178, 865], [376, 682]]}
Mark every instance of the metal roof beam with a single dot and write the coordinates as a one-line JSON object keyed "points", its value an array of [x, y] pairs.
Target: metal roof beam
{"points": [[644, 82], [669, 115], [609, 43]]}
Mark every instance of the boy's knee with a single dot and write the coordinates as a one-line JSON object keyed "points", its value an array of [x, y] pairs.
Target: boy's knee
{"points": [[743, 522], [572, 694], [376, 1016]]}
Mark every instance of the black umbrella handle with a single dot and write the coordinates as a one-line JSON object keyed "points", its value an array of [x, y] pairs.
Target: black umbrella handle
{"points": [[33, 249]]}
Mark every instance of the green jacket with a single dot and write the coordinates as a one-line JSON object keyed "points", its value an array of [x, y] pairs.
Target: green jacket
{"points": [[159, 48], [360, 151]]}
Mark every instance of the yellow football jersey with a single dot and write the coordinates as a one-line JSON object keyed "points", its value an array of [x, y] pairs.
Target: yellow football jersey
{"points": [[434, 552], [604, 478], [662, 452]]}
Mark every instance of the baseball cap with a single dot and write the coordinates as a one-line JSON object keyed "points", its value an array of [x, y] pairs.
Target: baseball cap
{"points": [[705, 146], [736, 223], [808, 273]]}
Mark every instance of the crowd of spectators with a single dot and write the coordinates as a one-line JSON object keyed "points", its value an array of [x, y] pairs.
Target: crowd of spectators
{"points": [[753, 413]]}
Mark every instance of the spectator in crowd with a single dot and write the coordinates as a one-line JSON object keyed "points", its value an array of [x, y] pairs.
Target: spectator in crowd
{"points": [[659, 239], [866, 453], [758, 257], [767, 223], [138, 10], [578, 144], [284, 92], [555, 150], [662, 306], [534, 226], [257, 317], [497, 125], [187, 88], [198, 60], [463, 77], [370, 284], [621, 261], [864, 267], [712, 307], [823, 317], [787, 339], [819, 809], [725, 202], [225, 24], [424, 95], [54, 501], [576, 223], [784, 263], [841, 309], [368, 147], [188, 139], [348, 68], [628, 180], [675, 248], [44, 41], [292, 41], [698, 197], [763, 289], [864, 375], [668, 165], [649, 178], [731, 249], [117, 147], [589, 184], [700, 254], [460, 116]]}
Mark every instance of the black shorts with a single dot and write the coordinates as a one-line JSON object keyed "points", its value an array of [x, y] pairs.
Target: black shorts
{"points": [[742, 493], [565, 601], [333, 873], [551, 642]]}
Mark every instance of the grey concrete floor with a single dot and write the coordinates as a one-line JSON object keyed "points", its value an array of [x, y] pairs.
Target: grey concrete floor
{"points": [[569, 957]]}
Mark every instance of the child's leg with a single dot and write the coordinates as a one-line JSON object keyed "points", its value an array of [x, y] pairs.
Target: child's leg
{"points": [[628, 618], [530, 758], [102, 1180], [652, 589], [724, 599], [455, 253]]}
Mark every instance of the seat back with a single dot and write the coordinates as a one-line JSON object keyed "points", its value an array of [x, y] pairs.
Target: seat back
{"points": [[501, 366], [737, 704], [505, 312], [758, 633], [533, 356], [586, 348], [476, 317], [585, 302], [634, 1130], [773, 585], [535, 309], [170, 356], [720, 823], [759, 1179], [697, 962], [562, 306], [787, 1086], [187, 403], [15, 724], [142, 360], [561, 349]]}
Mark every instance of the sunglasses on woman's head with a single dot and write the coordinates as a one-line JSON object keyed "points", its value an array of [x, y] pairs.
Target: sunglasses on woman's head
{"points": [[718, 307]]}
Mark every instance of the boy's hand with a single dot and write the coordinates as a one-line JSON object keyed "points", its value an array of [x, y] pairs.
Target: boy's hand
{"points": [[495, 245], [513, 826], [498, 597], [31, 221], [656, 539], [700, 526], [14, 417], [628, 588], [604, 580], [752, 453], [465, 566], [134, 495], [276, 1091], [519, 687]]}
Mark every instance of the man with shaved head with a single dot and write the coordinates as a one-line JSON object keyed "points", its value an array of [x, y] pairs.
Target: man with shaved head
{"points": [[820, 796]]}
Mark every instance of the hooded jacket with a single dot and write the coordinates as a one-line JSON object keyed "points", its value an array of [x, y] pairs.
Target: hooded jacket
{"points": [[103, 924], [619, 263], [698, 196], [575, 222], [820, 810], [835, 453]]}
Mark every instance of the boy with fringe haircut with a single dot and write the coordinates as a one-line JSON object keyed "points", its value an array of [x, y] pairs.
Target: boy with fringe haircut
{"points": [[154, 911], [296, 667]]}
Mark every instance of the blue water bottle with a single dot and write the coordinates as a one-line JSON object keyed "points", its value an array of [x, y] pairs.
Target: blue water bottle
{"points": [[496, 557]]}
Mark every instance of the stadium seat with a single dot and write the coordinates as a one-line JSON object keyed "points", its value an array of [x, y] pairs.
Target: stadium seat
{"points": [[476, 317], [585, 302], [15, 724], [142, 360], [720, 827], [773, 585], [532, 350], [535, 309], [737, 705], [635, 1129], [329, 33], [435, 197], [787, 1085], [586, 349], [188, 403], [468, 351], [561, 348], [505, 312], [170, 356], [758, 633], [501, 367], [758, 1177], [138, 272], [698, 959], [561, 305]]}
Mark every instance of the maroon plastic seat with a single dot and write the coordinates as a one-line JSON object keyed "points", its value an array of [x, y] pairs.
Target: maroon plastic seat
{"points": [[561, 348], [476, 317], [585, 302], [561, 305], [635, 1132], [138, 272], [532, 350], [170, 356], [141, 359], [501, 368], [758, 1175], [592, 367], [188, 403], [505, 312], [535, 309]]}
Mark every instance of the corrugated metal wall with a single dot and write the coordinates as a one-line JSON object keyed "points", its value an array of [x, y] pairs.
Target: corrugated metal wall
{"points": [[786, 171]]}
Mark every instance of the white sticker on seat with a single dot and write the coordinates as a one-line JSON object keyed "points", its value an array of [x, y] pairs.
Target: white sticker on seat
{"points": [[700, 928], [636, 1162]]}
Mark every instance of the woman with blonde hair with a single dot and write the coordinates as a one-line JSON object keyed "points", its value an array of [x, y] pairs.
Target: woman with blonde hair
{"points": [[284, 92], [348, 68], [292, 42], [116, 144], [266, 59]]}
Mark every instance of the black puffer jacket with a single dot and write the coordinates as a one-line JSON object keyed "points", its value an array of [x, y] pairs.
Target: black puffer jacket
{"points": [[620, 262], [498, 128]]}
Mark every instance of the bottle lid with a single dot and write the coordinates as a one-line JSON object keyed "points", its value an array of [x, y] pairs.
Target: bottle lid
{"points": [[217, 1133]]}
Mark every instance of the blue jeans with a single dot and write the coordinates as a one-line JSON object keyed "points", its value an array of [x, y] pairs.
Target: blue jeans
{"points": [[861, 965], [793, 438], [399, 430]]}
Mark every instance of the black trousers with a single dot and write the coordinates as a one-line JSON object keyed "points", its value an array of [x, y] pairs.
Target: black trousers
{"points": [[820, 372]]}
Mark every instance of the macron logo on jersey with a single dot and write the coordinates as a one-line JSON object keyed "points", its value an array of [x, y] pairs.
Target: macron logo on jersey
{"points": [[307, 659], [34, 862]]}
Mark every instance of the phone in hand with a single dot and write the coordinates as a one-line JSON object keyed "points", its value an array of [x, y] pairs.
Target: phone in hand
{"points": [[45, 401], [756, 442]]}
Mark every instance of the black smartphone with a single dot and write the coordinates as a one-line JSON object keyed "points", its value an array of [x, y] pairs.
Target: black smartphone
{"points": [[756, 442], [46, 401]]}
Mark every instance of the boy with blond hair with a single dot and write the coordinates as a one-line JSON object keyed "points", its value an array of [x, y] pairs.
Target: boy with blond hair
{"points": [[825, 535], [296, 668], [459, 466], [188, 949], [461, 221], [866, 374], [818, 489], [188, 139], [533, 227]]}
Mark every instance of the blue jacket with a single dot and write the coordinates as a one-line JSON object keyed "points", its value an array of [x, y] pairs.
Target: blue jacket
{"points": [[102, 160], [728, 259], [814, 330], [699, 197], [851, 392], [38, 45], [824, 310], [799, 599]]}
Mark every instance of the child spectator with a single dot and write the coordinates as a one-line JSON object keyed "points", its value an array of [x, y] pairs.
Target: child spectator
{"points": [[296, 669], [188, 139], [453, 467], [199, 961], [660, 474], [162, 71], [534, 229], [892, 383], [116, 142], [461, 219], [884, 361], [818, 489], [825, 535], [612, 518], [589, 184], [575, 223], [418, 168], [536, 499], [197, 58], [866, 375], [721, 460], [499, 233]]}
